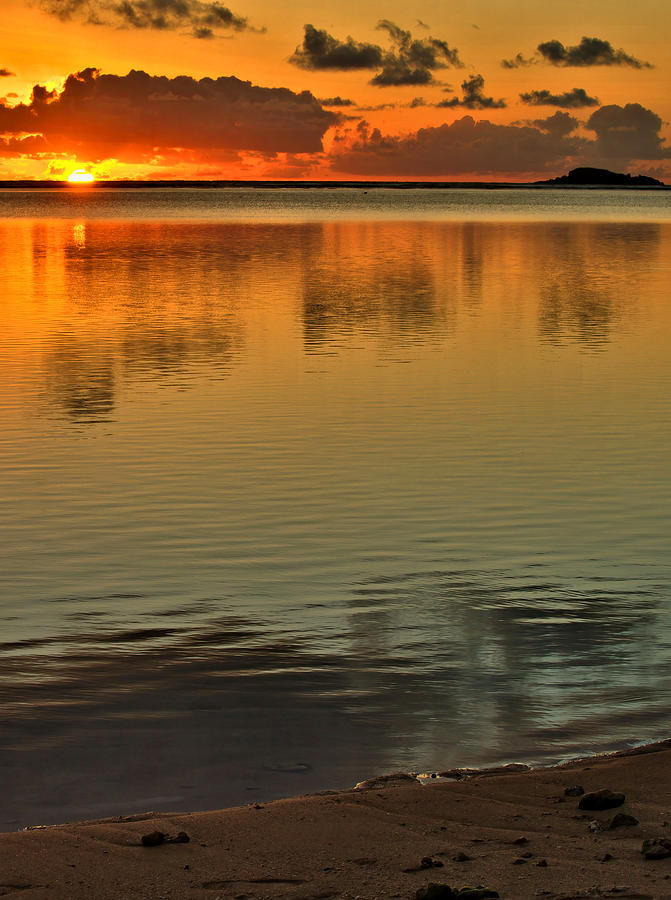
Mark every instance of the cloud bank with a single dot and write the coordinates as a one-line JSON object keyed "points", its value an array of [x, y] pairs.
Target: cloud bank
{"points": [[465, 147], [591, 51], [140, 117], [6, 73], [577, 98], [409, 60], [204, 19]]}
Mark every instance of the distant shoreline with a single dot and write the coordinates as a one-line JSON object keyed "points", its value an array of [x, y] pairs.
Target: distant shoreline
{"points": [[322, 185]]}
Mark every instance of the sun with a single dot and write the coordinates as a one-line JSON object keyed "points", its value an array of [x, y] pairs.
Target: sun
{"points": [[80, 176]]}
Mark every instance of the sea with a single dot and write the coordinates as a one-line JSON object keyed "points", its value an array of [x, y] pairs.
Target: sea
{"points": [[298, 487]]}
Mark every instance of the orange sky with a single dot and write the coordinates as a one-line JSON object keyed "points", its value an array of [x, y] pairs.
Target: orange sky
{"points": [[168, 129]]}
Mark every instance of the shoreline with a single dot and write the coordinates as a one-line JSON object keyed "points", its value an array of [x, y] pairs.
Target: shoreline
{"points": [[520, 833]]}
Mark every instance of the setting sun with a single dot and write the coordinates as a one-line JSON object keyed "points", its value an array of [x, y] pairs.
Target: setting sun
{"points": [[80, 176]]}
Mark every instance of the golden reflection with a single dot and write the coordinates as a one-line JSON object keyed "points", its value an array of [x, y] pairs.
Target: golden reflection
{"points": [[79, 235], [167, 300]]}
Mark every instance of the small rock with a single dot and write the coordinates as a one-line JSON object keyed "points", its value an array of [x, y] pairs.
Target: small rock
{"points": [[519, 861], [603, 799], [521, 840], [435, 891], [575, 790], [594, 826], [543, 863], [620, 820], [428, 862], [461, 857], [180, 838], [606, 857], [656, 848], [526, 855], [154, 839], [476, 893]]}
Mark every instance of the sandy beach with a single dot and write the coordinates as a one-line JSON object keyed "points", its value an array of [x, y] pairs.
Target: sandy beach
{"points": [[516, 833]]}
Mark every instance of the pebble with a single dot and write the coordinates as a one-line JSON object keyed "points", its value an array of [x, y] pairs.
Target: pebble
{"points": [[621, 819], [656, 848], [575, 790]]}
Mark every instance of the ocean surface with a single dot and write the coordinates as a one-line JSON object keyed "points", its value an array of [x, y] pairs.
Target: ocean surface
{"points": [[299, 487]]}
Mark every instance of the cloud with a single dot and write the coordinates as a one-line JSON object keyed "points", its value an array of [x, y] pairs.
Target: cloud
{"points": [[465, 147], [412, 61], [473, 98], [559, 125], [336, 101], [6, 73], [142, 118], [517, 62], [577, 98], [462, 147], [320, 50], [204, 19], [409, 61], [627, 132], [591, 51]]}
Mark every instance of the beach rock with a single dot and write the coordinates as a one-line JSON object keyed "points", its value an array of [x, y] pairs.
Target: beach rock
{"points": [[520, 840], [575, 790], [519, 861], [461, 857], [156, 838], [383, 781], [656, 848], [603, 799], [543, 863], [153, 839], [620, 820], [476, 893], [428, 862], [435, 891]]}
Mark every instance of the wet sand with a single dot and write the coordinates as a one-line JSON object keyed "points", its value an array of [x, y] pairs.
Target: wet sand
{"points": [[516, 833]]}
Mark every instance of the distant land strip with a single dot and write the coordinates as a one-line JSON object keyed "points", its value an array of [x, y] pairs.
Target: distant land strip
{"points": [[595, 179]]}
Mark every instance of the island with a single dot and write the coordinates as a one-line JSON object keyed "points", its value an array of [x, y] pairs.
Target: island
{"points": [[585, 175]]}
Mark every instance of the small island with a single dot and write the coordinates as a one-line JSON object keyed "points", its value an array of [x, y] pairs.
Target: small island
{"points": [[586, 175]]}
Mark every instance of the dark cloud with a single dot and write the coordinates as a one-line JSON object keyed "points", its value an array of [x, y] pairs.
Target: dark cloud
{"points": [[6, 73], [320, 50], [409, 61], [559, 125], [473, 98], [412, 61], [336, 101], [462, 147], [591, 51], [627, 132], [577, 98], [204, 19], [139, 117], [623, 134], [517, 62]]}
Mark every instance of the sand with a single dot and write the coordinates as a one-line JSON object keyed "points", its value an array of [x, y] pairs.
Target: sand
{"points": [[521, 834]]}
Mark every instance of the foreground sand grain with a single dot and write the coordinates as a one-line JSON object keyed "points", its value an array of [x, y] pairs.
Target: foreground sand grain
{"points": [[358, 844]]}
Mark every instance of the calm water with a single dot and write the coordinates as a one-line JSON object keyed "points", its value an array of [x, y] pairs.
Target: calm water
{"points": [[303, 489]]}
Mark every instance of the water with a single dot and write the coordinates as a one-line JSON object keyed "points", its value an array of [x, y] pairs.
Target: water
{"points": [[294, 495]]}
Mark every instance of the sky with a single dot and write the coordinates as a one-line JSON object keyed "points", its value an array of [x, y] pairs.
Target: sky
{"points": [[486, 90]]}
